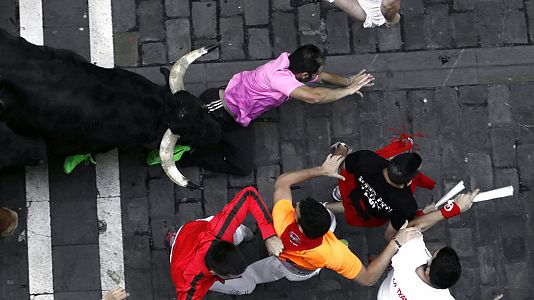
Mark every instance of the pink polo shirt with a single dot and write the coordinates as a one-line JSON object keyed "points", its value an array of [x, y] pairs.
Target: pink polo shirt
{"points": [[251, 93]]}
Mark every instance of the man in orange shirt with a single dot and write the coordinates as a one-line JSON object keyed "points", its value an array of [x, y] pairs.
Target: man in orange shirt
{"points": [[309, 242]]}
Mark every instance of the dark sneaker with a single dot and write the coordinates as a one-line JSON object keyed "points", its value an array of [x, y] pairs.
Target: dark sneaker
{"points": [[153, 157], [169, 239], [71, 162], [297, 3]]}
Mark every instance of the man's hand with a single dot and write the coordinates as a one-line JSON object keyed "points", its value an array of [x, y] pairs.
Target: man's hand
{"points": [[464, 201], [331, 165], [274, 245], [406, 234], [358, 81], [116, 293]]}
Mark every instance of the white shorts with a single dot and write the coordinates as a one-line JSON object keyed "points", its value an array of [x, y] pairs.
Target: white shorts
{"points": [[373, 11]]}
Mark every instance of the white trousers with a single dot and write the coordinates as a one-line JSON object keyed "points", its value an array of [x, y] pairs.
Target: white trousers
{"points": [[373, 12], [268, 269]]}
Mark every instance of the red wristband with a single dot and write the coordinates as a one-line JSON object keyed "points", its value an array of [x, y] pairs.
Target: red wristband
{"points": [[450, 210]]}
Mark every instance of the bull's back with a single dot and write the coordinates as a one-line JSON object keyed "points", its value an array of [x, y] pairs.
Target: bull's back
{"points": [[62, 96]]}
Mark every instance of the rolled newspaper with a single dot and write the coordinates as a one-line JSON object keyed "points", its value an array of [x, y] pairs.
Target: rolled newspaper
{"points": [[494, 194], [455, 190]]}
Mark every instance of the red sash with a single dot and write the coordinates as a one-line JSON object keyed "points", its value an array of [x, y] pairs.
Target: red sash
{"points": [[294, 240]]}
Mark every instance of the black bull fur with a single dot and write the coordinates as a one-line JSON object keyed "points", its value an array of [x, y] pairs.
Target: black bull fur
{"points": [[56, 98]]}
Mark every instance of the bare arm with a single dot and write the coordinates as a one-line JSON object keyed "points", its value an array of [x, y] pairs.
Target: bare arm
{"points": [[282, 187], [390, 232], [370, 275], [428, 220], [116, 293], [334, 79], [320, 95]]}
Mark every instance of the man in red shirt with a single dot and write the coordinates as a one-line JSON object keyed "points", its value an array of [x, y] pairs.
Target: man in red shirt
{"points": [[202, 251]]}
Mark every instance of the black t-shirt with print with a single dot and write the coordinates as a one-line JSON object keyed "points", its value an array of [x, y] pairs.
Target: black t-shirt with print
{"points": [[381, 199]]}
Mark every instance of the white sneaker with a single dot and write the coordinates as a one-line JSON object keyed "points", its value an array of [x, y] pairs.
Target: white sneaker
{"points": [[248, 235], [336, 194]]}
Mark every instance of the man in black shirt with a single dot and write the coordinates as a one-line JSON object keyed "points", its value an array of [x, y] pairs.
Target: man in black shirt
{"points": [[377, 190]]}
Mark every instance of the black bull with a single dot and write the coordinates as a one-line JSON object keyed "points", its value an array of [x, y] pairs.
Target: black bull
{"points": [[55, 98]]}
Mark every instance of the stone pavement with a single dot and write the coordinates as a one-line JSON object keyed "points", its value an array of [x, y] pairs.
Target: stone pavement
{"points": [[460, 71]]}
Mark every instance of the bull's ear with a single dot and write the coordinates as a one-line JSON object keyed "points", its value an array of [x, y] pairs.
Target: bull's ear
{"points": [[165, 72]]}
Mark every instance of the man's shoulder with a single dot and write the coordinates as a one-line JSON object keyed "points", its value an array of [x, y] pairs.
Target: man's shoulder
{"points": [[367, 158], [283, 205]]}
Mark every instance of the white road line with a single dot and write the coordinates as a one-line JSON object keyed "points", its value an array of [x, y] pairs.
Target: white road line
{"points": [[31, 21], [107, 167], [39, 238]]}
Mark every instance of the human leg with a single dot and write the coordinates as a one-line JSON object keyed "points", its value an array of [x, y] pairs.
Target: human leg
{"points": [[266, 270], [262, 271], [242, 234], [352, 8], [235, 152], [390, 9], [234, 155], [335, 207]]}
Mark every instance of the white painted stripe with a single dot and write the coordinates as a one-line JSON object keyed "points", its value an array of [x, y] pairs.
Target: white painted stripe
{"points": [[101, 33], [39, 232], [31, 21], [109, 213], [42, 297], [39, 238], [107, 167]]}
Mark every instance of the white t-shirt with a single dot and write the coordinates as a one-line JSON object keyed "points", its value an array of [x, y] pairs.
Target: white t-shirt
{"points": [[402, 283]]}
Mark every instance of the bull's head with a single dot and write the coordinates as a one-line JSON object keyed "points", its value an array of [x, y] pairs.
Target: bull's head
{"points": [[168, 142]]}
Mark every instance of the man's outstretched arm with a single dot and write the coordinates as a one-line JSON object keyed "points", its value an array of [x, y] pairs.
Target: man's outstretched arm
{"points": [[370, 275], [429, 219], [320, 95], [282, 187], [425, 222]]}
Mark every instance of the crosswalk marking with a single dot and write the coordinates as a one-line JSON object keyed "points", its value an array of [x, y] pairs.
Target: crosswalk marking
{"points": [[107, 171], [39, 238], [107, 167], [31, 21]]}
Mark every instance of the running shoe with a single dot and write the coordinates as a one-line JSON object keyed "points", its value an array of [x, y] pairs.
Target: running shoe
{"points": [[71, 162], [153, 157]]}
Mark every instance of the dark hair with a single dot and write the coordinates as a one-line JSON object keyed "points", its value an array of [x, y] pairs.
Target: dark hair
{"points": [[403, 167], [445, 269], [314, 218], [308, 58], [224, 258]]}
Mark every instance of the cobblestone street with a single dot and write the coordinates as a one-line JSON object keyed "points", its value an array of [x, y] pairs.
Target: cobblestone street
{"points": [[460, 71]]}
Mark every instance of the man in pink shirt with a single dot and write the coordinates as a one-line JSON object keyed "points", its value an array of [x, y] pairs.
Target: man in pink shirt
{"points": [[251, 93]]}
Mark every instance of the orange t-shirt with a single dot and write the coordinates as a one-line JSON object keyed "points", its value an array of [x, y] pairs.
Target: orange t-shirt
{"points": [[331, 254]]}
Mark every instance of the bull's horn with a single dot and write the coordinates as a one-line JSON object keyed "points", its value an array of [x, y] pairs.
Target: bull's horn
{"points": [[176, 78], [166, 152]]}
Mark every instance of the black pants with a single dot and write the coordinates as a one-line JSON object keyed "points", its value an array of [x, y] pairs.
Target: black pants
{"points": [[234, 154]]}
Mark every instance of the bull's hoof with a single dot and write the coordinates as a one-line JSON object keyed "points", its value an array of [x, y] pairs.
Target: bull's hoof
{"points": [[192, 185]]}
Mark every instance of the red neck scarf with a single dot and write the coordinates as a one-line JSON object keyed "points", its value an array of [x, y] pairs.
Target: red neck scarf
{"points": [[295, 240]]}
